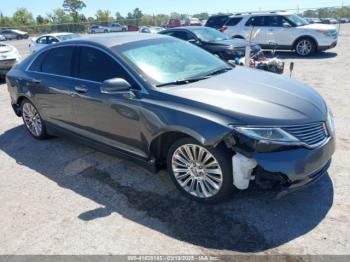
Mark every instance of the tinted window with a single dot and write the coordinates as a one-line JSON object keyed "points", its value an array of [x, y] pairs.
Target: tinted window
{"points": [[51, 40], [217, 21], [97, 66], [274, 21], [42, 40], [256, 21], [58, 61], [36, 65], [183, 35], [234, 21]]}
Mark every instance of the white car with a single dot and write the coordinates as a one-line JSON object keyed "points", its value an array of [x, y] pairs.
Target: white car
{"points": [[151, 29], [2, 38], [282, 30], [98, 29], [44, 40], [9, 56], [117, 28]]}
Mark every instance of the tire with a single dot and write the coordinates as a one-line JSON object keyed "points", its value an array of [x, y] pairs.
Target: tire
{"points": [[305, 46], [202, 186], [33, 121], [105, 31], [123, 30]]}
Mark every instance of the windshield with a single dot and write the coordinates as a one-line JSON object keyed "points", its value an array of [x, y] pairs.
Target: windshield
{"points": [[67, 37], [210, 35], [297, 20], [169, 60]]}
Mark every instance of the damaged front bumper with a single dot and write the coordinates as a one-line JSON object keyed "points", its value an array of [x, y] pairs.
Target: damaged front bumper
{"points": [[285, 168]]}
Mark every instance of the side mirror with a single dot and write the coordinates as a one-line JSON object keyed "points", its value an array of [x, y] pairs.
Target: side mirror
{"points": [[286, 25], [114, 85], [194, 41]]}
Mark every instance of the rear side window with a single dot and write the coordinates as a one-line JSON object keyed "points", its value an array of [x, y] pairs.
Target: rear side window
{"points": [[216, 21], [256, 21], [234, 21], [36, 65], [95, 65], [58, 61]]}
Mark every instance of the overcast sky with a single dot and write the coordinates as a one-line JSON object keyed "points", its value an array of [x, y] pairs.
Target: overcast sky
{"points": [[8, 7]]}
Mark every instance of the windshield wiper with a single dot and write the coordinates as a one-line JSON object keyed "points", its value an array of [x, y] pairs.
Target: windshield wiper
{"points": [[218, 71], [183, 81]]}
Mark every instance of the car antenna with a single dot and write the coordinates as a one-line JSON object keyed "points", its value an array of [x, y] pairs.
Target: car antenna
{"points": [[291, 67]]}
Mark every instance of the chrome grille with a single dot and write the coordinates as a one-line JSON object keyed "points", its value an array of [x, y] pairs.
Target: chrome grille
{"points": [[311, 134]]}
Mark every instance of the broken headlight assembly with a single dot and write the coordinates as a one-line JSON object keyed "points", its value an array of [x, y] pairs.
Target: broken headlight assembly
{"points": [[267, 134]]}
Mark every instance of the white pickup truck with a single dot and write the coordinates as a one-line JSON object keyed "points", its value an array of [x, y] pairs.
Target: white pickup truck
{"points": [[107, 29]]}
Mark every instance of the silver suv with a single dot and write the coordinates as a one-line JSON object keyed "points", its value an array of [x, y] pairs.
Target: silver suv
{"points": [[285, 30]]}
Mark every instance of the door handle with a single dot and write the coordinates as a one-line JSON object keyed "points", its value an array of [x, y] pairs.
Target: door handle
{"points": [[80, 89]]}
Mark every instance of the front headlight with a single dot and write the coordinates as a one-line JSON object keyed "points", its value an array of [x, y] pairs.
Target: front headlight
{"points": [[330, 122], [267, 134], [327, 33]]}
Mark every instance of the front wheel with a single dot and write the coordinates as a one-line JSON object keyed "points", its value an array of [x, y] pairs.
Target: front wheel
{"points": [[33, 121], [202, 174], [305, 47]]}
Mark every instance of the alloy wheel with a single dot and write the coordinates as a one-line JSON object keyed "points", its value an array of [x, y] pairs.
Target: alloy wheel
{"points": [[32, 119], [197, 171], [304, 47]]}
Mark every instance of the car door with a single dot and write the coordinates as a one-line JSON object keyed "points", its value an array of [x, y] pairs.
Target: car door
{"points": [[279, 30], [256, 26], [52, 85], [111, 119], [40, 43]]}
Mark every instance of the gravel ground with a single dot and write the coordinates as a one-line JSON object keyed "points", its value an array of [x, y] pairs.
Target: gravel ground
{"points": [[58, 197]]}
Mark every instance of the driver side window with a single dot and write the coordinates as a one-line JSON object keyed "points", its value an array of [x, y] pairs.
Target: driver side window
{"points": [[97, 66]]}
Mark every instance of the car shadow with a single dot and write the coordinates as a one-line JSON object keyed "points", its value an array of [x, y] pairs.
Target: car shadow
{"points": [[252, 221], [293, 55]]}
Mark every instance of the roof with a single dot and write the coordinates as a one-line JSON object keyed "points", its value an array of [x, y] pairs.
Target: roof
{"points": [[263, 13], [113, 39]]}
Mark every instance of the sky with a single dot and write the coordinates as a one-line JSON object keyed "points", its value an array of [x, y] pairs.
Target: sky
{"points": [[8, 7]]}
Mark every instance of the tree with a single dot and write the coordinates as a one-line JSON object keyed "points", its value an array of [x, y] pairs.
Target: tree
{"points": [[119, 17], [137, 15], [202, 16], [103, 16], [58, 16], [23, 17], [73, 7], [40, 20]]}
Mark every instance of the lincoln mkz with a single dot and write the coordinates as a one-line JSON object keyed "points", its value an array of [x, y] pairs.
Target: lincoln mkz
{"points": [[165, 103]]}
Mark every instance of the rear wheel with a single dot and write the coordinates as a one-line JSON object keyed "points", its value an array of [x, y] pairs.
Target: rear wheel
{"points": [[202, 174], [33, 121], [305, 47]]}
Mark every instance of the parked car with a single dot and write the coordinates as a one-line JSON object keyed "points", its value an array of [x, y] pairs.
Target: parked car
{"points": [[9, 56], [192, 21], [288, 31], [173, 22], [48, 39], [165, 103], [98, 29], [10, 34], [117, 28], [2, 38], [213, 41], [133, 28], [151, 29], [316, 21], [217, 21]]}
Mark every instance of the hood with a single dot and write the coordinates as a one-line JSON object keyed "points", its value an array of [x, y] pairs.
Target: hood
{"points": [[5, 48], [254, 97], [318, 27]]}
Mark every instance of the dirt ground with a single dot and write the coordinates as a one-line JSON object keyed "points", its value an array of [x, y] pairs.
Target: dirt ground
{"points": [[58, 197]]}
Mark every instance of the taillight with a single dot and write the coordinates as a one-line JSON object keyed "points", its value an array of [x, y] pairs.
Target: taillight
{"points": [[223, 29]]}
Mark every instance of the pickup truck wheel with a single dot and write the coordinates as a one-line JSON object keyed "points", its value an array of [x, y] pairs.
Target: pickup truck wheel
{"points": [[305, 47], [202, 174], [33, 121], [105, 31]]}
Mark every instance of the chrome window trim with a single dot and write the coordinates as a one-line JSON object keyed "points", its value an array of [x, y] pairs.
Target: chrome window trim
{"points": [[142, 88]]}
